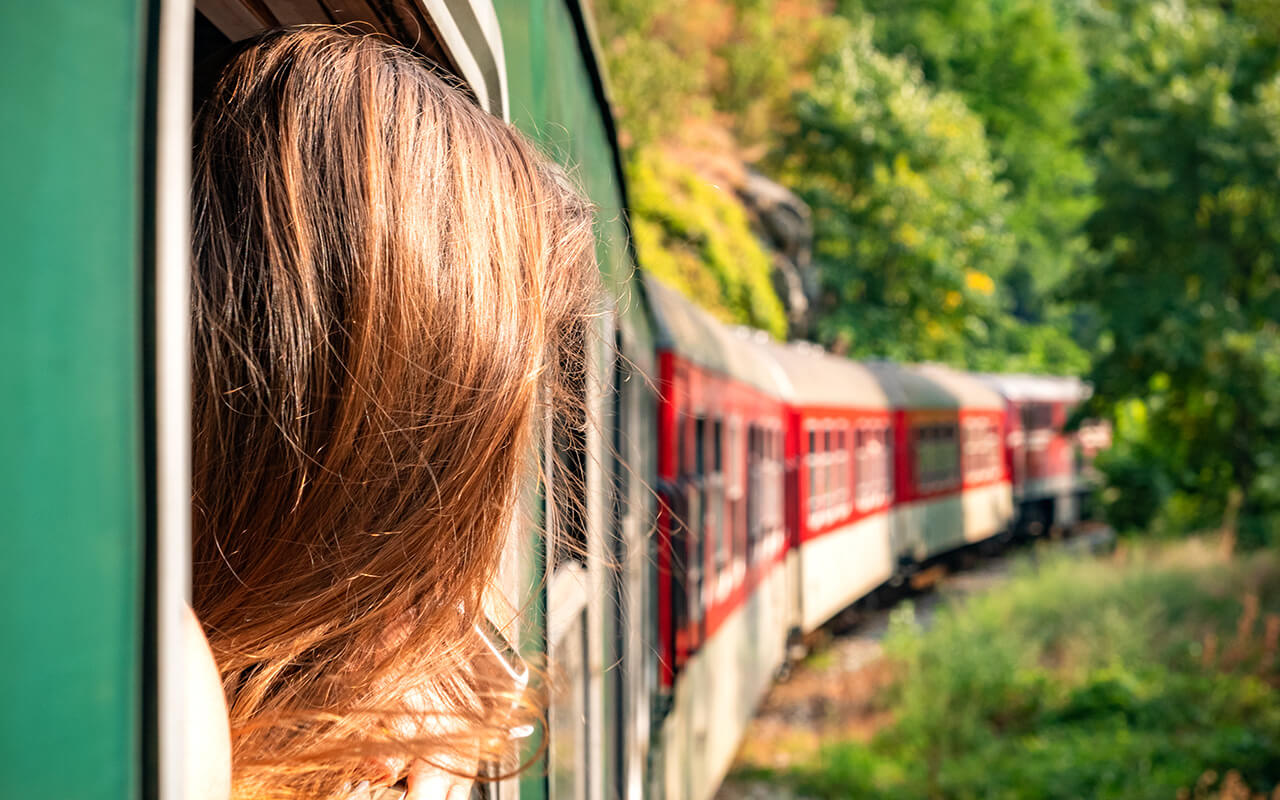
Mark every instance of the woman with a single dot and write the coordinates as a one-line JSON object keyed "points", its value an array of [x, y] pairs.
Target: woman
{"points": [[389, 286]]}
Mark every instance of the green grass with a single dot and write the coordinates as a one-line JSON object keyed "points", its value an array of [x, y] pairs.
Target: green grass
{"points": [[1128, 678]]}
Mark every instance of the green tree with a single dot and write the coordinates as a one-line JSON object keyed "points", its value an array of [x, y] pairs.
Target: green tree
{"points": [[911, 225], [1184, 125], [1018, 65]]}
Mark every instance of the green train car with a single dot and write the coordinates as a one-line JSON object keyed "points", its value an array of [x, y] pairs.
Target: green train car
{"points": [[94, 403]]}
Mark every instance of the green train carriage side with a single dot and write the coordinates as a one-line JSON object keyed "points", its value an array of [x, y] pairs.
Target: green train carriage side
{"points": [[94, 555]]}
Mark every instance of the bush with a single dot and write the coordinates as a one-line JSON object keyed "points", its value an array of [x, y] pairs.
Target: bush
{"points": [[1130, 679], [696, 237]]}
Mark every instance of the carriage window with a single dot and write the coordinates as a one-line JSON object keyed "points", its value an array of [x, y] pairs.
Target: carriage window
{"points": [[827, 463], [754, 487], [861, 468], [922, 437], [937, 456], [981, 450], [951, 454], [699, 446], [842, 469], [811, 460], [875, 467], [733, 461], [717, 446], [716, 501], [886, 440]]}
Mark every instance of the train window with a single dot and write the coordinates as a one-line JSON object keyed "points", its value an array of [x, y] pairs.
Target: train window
{"points": [[937, 456], [824, 442], [951, 454], [751, 486], [874, 468], [700, 502], [716, 500], [686, 449], [779, 454], [923, 455], [841, 470], [864, 469], [861, 471], [886, 440], [981, 450], [717, 446], [811, 461], [699, 446], [733, 459]]}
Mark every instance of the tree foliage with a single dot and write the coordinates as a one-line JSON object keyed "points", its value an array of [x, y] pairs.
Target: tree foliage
{"points": [[912, 233], [1018, 66], [737, 61], [691, 76], [1184, 127]]}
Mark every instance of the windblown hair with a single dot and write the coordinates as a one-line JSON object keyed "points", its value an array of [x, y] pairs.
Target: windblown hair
{"points": [[389, 286]]}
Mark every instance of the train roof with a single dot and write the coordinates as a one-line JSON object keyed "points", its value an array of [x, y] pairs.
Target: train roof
{"points": [[810, 376], [694, 334], [933, 386], [907, 388], [1038, 388], [968, 389]]}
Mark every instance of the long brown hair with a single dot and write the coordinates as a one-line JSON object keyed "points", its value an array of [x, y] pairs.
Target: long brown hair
{"points": [[389, 285]]}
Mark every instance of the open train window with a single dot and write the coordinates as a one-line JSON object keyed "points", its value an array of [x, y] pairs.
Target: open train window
{"points": [[187, 43]]}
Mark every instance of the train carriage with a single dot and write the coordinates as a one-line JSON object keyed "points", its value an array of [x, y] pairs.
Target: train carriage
{"points": [[1046, 463], [839, 480], [952, 489], [722, 592], [790, 482], [96, 410]]}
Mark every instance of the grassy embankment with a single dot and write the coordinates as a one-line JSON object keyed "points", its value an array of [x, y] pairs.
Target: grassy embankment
{"points": [[1151, 674]]}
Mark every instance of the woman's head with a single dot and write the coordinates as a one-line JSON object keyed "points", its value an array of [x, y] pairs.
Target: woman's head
{"points": [[388, 285]]}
